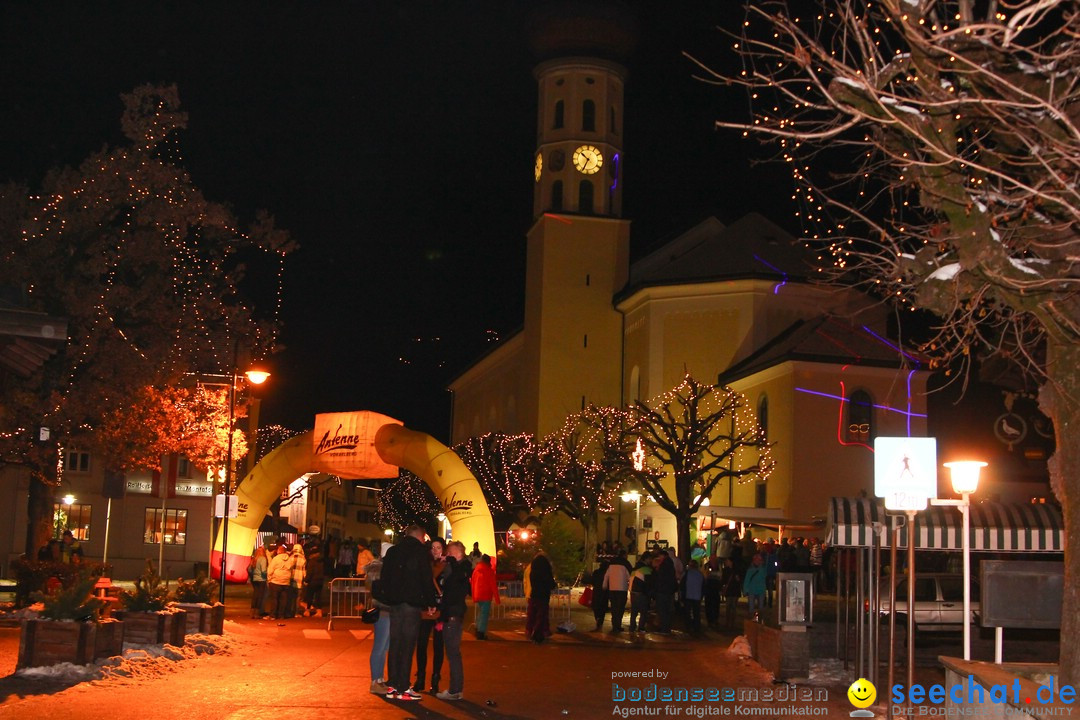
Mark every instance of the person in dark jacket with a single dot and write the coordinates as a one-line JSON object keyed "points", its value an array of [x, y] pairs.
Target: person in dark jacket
{"points": [[406, 573], [664, 588], [599, 595], [541, 583], [456, 586]]}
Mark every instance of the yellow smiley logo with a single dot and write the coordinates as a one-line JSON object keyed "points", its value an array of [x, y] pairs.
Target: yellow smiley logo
{"points": [[862, 693]]}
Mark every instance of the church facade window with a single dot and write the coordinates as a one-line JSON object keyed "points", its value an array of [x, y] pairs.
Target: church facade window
{"points": [[588, 116], [585, 197], [556, 196], [860, 418]]}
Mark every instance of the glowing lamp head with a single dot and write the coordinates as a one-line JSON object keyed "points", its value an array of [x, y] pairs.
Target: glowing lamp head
{"points": [[631, 496], [965, 475], [69, 499], [256, 377], [704, 502], [524, 535], [441, 517], [388, 532]]}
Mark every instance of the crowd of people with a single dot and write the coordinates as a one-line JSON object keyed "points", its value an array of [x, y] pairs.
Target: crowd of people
{"points": [[660, 588], [419, 589]]}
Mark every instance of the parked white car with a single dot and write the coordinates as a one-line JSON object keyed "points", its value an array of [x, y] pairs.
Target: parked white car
{"points": [[939, 601]]}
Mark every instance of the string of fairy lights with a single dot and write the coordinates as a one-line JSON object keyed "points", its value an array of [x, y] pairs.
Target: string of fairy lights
{"points": [[918, 132], [580, 467], [130, 215]]}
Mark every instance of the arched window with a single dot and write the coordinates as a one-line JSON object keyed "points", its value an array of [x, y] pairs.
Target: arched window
{"points": [[763, 415], [558, 122], [585, 197], [556, 196], [635, 384], [588, 116], [860, 418]]}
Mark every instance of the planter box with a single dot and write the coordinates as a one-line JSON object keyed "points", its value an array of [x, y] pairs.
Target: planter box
{"points": [[48, 642], [785, 652], [203, 618], [154, 628]]}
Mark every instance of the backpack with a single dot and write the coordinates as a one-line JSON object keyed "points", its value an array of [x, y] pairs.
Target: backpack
{"points": [[387, 587]]}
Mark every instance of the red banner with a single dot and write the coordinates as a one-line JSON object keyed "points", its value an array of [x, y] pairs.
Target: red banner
{"points": [[169, 482]]}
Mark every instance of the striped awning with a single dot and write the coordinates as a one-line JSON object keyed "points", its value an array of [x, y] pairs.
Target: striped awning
{"points": [[995, 527]]}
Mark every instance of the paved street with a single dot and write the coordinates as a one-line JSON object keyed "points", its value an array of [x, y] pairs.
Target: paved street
{"points": [[299, 670]]}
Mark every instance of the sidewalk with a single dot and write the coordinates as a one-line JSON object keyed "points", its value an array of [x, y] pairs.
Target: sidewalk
{"points": [[300, 670]]}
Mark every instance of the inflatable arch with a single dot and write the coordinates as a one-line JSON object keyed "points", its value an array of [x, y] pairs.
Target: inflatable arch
{"points": [[354, 446]]}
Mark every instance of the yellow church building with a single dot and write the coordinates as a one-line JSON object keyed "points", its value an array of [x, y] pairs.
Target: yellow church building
{"points": [[731, 304]]}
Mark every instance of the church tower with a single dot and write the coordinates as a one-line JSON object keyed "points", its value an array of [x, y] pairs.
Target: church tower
{"points": [[578, 246]]}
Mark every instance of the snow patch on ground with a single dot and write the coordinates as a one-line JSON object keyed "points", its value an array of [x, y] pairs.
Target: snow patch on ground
{"points": [[740, 646], [829, 671], [137, 663]]}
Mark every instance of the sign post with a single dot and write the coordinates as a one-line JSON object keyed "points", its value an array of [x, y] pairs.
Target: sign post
{"points": [[905, 477]]}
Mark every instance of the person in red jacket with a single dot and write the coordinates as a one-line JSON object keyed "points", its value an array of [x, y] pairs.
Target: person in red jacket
{"points": [[484, 590]]}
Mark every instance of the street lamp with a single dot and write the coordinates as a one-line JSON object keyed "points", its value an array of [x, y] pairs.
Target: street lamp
{"points": [[635, 497], [965, 480], [255, 377]]}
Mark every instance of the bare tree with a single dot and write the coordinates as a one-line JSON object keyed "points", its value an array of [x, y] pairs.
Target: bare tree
{"points": [[693, 437], [503, 465], [576, 469], [957, 187]]}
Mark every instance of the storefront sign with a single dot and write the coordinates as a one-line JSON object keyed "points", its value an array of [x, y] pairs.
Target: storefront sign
{"points": [[184, 488]]}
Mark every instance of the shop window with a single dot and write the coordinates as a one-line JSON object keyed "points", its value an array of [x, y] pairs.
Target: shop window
{"points": [[585, 197], [74, 517], [588, 116], [175, 526], [860, 417], [557, 123], [76, 461]]}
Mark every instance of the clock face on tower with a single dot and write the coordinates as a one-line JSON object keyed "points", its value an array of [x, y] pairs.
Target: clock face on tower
{"points": [[558, 159], [539, 166], [588, 159]]}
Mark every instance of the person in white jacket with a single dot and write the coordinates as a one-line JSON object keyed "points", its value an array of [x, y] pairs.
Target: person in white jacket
{"points": [[278, 576], [617, 583]]}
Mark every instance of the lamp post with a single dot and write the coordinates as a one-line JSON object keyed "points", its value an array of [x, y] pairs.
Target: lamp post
{"points": [[965, 480], [635, 497], [255, 377]]}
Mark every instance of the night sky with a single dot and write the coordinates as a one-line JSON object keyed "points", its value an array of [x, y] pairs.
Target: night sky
{"points": [[394, 139]]}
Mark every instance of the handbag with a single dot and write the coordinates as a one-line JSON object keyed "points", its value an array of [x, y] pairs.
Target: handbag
{"points": [[370, 616], [586, 596]]}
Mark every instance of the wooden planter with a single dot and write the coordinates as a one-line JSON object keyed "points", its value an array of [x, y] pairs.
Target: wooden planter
{"points": [[48, 642], [203, 618], [154, 628]]}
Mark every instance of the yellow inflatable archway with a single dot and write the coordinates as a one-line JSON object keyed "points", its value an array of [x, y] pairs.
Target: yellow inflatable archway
{"points": [[354, 446]]}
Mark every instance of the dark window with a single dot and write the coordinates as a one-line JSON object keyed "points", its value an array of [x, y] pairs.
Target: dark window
{"points": [[74, 517], [77, 462], [925, 590], [586, 280], [760, 495], [952, 589], [558, 122], [586, 341], [183, 467], [585, 197], [175, 526], [763, 416], [860, 417], [588, 116], [556, 196]]}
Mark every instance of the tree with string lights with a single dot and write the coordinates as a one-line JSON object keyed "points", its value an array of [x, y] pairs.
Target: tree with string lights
{"points": [[576, 470], [935, 147], [693, 437], [148, 274], [503, 465]]}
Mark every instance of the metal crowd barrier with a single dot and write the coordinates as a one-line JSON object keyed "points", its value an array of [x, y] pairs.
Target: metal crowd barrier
{"points": [[512, 596], [348, 598]]}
